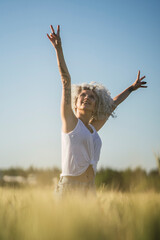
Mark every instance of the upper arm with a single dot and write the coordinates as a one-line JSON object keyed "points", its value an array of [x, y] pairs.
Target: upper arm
{"points": [[98, 124], [68, 117]]}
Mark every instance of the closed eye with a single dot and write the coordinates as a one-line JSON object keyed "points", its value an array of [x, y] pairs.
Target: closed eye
{"points": [[89, 96], [83, 95]]}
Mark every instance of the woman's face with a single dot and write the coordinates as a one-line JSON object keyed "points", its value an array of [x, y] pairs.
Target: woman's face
{"points": [[86, 101]]}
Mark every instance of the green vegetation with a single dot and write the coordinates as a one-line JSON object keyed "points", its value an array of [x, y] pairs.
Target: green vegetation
{"points": [[35, 214], [136, 180], [129, 180]]}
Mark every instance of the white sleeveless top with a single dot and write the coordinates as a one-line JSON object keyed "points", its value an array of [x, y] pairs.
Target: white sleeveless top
{"points": [[80, 148]]}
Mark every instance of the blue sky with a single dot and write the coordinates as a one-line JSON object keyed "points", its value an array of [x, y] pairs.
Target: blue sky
{"points": [[103, 41]]}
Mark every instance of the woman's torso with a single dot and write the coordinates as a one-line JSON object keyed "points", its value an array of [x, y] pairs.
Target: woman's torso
{"points": [[80, 149]]}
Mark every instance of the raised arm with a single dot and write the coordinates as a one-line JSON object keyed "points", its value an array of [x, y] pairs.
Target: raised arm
{"points": [[98, 124], [68, 118]]}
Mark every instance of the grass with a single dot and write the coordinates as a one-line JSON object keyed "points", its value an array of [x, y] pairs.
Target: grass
{"points": [[35, 214]]}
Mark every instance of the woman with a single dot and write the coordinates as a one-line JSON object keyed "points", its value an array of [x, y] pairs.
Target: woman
{"points": [[82, 117]]}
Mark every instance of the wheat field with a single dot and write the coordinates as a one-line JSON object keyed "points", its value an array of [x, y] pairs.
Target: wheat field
{"points": [[36, 214]]}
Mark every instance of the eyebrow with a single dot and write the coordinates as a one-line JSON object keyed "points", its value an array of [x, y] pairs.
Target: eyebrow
{"points": [[90, 94]]}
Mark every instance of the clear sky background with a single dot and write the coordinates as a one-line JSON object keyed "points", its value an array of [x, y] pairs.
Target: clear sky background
{"points": [[103, 41]]}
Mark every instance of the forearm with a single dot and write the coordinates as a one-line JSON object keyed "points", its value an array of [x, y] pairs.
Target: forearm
{"points": [[123, 95], [65, 76], [66, 81]]}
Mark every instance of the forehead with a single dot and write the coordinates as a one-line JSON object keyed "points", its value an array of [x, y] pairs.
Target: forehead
{"points": [[87, 91]]}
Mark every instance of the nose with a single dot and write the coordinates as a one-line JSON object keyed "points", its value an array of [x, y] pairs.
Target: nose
{"points": [[86, 96]]}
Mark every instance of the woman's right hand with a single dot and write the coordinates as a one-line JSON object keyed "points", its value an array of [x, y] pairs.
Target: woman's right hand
{"points": [[55, 38]]}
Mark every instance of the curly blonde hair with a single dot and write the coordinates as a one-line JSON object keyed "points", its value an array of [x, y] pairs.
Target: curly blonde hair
{"points": [[105, 104]]}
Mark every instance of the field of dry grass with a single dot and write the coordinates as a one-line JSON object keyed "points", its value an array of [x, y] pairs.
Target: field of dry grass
{"points": [[35, 214]]}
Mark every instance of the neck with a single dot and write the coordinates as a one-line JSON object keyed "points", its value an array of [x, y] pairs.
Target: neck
{"points": [[84, 117]]}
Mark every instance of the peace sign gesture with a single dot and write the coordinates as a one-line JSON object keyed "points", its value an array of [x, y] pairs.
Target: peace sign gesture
{"points": [[139, 83], [55, 38]]}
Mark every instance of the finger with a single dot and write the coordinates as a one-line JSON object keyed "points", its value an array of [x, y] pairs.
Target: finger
{"points": [[143, 86], [138, 75], [142, 78], [52, 29], [52, 35], [58, 30], [49, 37], [143, 82]]}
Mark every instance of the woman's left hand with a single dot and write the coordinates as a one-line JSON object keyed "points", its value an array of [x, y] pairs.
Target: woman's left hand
{"points": [[139, 83]]}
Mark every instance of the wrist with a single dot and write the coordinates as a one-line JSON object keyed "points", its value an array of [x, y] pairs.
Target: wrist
{"points": [[131, 89], [58, 48], [58, 44]]}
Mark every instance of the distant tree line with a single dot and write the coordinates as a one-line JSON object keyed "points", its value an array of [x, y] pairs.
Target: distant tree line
{"points": [[127, 180]]}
